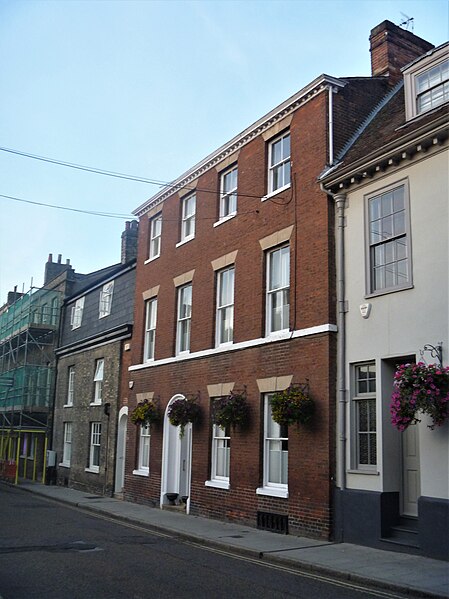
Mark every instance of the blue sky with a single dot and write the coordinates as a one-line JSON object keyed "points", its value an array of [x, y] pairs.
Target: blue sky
{"points": [[149, 89]]}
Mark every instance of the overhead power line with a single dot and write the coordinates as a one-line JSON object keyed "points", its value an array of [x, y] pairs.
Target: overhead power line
{"points": [[93, 212], [117, 175]]}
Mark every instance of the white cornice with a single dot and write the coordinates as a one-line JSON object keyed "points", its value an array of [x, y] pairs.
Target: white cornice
{"points": [[308, 92]]}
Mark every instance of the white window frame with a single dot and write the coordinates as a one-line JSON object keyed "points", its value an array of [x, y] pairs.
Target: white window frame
{"points": [[150, 328], [283, 165], [274, 291], [143, 458], [228, 193], [106, 299], [94, 447], [188, 217], [183, 321], [76, 314], [436, 59], [394, 240], [70, 386], [67, 444], [221, 441], [270, 487], [368, 397], [154, 250], [224, 306], [98, 381]]}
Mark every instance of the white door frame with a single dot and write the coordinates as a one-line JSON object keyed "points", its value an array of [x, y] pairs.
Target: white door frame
{"points": [[173, 458], [121, 450]]}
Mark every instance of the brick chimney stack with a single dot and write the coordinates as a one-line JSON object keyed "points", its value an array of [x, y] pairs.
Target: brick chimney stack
{"points": [[392, 48], [129, 241], [54, 269]]}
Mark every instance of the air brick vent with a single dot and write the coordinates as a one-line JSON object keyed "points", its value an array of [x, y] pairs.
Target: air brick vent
{"points": [[272, 522]]}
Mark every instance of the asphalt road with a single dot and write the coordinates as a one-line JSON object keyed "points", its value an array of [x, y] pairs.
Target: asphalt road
{"points": [[51, 551]]}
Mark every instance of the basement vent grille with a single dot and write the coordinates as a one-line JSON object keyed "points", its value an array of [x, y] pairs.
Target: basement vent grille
{"points": [[272, 522]]}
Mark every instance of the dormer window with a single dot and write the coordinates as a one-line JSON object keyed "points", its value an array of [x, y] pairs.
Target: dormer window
{"points": [[432, 87], [427, 82]]}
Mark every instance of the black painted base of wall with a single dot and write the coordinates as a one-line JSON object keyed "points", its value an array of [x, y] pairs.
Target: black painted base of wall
{"points": [[366, 517]]}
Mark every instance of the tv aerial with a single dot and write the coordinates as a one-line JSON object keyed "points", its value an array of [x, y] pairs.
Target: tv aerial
{"points": [[406, 22]]}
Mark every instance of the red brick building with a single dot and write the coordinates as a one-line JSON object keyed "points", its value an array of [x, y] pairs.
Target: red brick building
{"points": [[235, 291]]}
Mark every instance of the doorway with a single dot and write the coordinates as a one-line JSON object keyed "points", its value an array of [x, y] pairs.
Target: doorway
{"points": [[411, 487], [121, 450], [176, 461]]}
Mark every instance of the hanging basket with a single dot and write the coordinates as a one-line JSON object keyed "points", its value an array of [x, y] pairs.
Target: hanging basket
{"points": [[230, 410], [183, 411], [292, 406], [420, 389], [146, 412]]}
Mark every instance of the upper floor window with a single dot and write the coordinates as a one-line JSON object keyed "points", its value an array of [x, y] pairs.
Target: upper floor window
{"points": [[225, 306], [106, 299], [188, 217], [98, 381], [54, 310], [279, 163], [76, 315], [278, 290], [432, 87], [150, 328], [364, 402], [184, 317], [426, 82], [155, 237], [228, 193], [70, 386], [389, 260]]}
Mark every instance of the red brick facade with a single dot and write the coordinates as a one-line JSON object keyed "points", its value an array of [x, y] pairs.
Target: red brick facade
{"points": [[307, 352]]}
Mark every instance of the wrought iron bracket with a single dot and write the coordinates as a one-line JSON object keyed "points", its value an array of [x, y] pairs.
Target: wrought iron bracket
{"points": [[436, 351]]}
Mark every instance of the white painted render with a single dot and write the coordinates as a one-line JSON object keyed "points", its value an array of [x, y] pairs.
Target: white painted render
{"points": [[402, 322]]}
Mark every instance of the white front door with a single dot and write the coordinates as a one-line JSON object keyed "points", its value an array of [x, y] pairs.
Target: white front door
{"points": [[176, 459], [411, 486]]}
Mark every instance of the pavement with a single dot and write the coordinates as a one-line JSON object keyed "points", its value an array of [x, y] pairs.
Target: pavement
{"points": [[389, 571]]}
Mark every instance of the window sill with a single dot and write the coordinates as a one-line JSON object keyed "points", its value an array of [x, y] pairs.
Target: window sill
{"points": [[389, 290], [94, 470], [95, 403], [62, 465], [148, 260], [103, 315], [217, 484], [68, 405], [273, 492], [141, 472], [360, 471], [186, 240], [225, 219], [281, 334], [275, 193]]}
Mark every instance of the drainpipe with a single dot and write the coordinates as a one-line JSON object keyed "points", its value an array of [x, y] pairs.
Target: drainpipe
{"points": [[340, 200]]}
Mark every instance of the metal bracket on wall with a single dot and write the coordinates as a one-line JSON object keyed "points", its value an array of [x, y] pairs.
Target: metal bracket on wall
{"points": [[435, 351]]}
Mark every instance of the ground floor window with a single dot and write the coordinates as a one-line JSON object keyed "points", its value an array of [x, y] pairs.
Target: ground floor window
{"points": [[143, 462], [364, 416], [275, 453], [95, 443], [67, 450], [221, 453]]}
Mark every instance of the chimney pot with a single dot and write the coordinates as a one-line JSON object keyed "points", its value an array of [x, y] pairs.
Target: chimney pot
{"points": [[59, 258], [50, 257]]}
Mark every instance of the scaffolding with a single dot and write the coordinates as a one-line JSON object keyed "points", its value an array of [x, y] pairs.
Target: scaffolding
{"points": [[28, 336]]}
